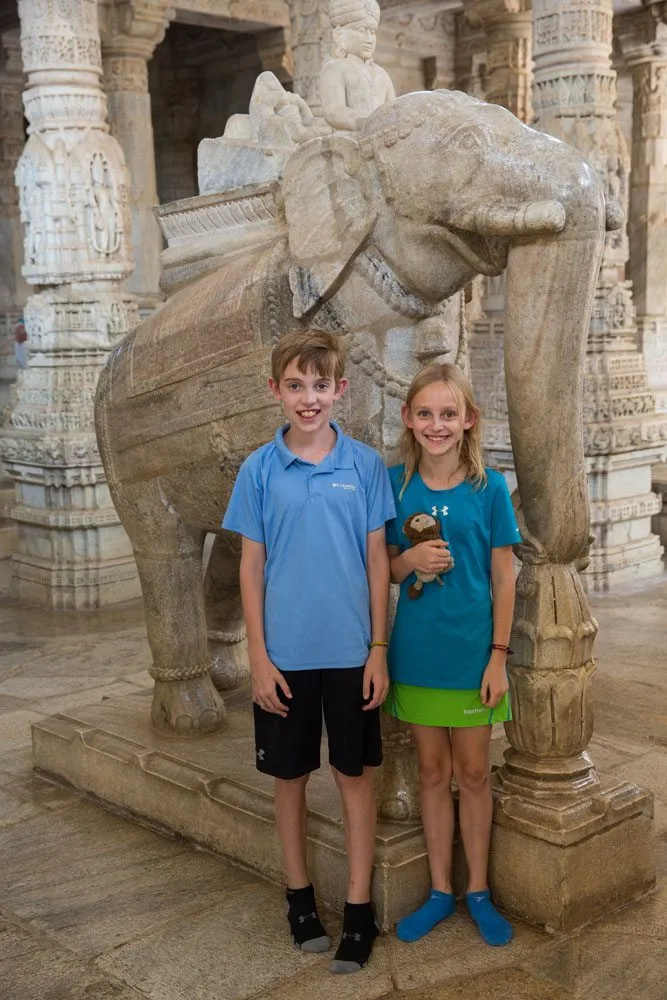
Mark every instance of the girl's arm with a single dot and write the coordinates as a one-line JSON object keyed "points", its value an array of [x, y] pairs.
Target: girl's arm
{"points": [[494, 681], [265, 676], [427, 557], [376, 679]]}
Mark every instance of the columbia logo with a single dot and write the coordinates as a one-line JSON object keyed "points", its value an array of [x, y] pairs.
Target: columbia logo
{"points": [[345, 486]]}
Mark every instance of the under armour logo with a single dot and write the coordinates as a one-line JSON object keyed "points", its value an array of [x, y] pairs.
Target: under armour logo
{"points": [[260, 753], [351, 936], [307, 916], [440, 510]]}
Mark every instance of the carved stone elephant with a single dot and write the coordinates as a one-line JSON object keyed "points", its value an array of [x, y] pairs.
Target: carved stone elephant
{"points": [[381, 228]]}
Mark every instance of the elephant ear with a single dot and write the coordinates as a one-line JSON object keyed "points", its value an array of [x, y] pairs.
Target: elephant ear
{"points": [[329, 214]]}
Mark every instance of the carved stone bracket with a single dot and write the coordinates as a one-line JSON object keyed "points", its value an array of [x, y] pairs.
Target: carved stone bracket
{"points": [[132, 28]]}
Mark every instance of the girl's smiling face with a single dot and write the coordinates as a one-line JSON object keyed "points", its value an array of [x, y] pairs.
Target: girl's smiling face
{"points": [[437, 419]]}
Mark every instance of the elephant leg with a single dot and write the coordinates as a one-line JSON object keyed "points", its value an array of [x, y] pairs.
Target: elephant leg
{"points": [[169, 560], [227, 637]]}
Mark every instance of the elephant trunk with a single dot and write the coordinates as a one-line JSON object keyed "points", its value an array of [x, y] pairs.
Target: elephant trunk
{"points": [[550, 288]]}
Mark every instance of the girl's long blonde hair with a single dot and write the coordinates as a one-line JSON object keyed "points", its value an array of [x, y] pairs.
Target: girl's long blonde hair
{"points": [[470, 446]]}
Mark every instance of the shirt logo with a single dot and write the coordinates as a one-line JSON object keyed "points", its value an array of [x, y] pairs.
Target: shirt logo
{"points": [[440, 510], [345, 486]]}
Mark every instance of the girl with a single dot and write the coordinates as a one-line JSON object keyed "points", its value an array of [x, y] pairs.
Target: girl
{"points": [[450, 637]]}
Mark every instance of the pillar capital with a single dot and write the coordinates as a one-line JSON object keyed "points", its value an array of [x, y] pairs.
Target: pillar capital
{"points": [[642, 34], [131, 29], [503, 13], [509, 28]]}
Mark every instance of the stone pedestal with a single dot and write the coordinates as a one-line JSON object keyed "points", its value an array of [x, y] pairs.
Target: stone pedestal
{"points": [[130, 32], [73, 188], [574, 99]]}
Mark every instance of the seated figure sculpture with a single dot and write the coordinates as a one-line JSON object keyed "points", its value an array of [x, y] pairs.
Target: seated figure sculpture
{"points": [[352, 85], [276, 116]]}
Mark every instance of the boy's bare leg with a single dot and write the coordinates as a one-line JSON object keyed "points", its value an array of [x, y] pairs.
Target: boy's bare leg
{"points": [[359, 817], [359, 925], [291, 814], [291, 820]]}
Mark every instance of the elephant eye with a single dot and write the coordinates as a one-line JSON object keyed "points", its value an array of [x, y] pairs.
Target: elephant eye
{"points": [[467, 139]]}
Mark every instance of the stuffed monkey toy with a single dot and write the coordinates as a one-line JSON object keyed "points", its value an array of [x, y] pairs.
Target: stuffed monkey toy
{"points": [[423, 528]]}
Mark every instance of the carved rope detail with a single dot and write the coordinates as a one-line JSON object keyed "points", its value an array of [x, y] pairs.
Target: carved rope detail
{"points": [[377, 273], [180, 673]]}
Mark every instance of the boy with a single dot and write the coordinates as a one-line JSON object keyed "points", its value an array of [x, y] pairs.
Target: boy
{"points": [[311, 507]]}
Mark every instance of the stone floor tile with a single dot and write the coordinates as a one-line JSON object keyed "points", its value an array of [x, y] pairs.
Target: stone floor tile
{"points": [[141, 679], [14, 810], [9, 704], [646, 917], [35, 688], [452, 947], [598, 965], [89, 696], [93, 881], [37, 791], [233, 950], [507, 984], [32, 968], [649, 771], [14, 763], [372, 982], [15, 729]]}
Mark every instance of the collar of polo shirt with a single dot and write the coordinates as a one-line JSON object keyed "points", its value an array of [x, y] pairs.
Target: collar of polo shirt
{"points": [[341, 456]]}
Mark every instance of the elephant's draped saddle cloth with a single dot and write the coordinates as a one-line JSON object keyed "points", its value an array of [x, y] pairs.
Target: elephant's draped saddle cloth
{"points": [[204, 326]]}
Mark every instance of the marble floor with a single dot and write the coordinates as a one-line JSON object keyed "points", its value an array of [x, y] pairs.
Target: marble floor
{"points": [[94, 907]]}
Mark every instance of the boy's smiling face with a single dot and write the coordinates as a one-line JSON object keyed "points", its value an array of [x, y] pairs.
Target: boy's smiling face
{"points": [[307, 397]]}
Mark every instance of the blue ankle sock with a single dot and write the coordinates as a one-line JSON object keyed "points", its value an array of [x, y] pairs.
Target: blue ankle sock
{"points": [[491, 925], [437, 907]]}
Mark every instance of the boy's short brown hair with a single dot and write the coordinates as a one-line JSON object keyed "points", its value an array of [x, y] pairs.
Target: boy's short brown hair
{"points": [[312, 350]]}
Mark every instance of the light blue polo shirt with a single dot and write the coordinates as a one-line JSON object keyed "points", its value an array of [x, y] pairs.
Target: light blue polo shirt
{"points": [[443, 638], [313, 521]]}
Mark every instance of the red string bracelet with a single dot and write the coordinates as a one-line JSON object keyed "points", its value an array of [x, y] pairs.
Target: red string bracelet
{"points": [[503, 649]]}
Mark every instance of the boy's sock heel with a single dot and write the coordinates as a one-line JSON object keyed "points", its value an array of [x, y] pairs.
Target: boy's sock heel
{"points": [[360, 930], [308, 934], [492, 925]]}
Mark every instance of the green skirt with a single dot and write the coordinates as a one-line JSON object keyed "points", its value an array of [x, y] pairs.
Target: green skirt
{"points": [[446, 708]]}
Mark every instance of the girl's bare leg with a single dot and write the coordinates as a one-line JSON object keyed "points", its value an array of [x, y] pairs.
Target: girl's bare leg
{"points": [[470, 753], [434, 755]]}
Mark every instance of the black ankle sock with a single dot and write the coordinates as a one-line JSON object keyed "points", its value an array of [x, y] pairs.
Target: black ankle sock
{"points": [[303, 919], [356, 944]]}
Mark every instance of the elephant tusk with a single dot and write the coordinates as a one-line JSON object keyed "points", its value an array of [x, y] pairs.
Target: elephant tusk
{"points": [[531, 218], [615, 216]]}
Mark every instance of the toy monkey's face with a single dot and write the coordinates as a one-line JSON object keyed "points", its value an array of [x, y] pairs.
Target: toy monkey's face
{"points": [[422, 528]]}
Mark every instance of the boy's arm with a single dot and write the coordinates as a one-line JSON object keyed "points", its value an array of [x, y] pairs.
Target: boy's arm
{"points": [[494, 681], [265, 676], [376, 678]]}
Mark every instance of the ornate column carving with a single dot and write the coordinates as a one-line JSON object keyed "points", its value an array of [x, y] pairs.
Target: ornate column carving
{"points": [[553, 813], [508, 81], [575, 95], [312, 45], [643, 40], [130, 30], [13, 289], [73, 197]]}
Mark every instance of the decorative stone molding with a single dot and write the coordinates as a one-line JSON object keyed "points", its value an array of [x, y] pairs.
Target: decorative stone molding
{"points": [[312, 46], [73, 199]]}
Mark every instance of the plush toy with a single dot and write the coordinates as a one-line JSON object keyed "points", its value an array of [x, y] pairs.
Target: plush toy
{"points": [[423, 528]]}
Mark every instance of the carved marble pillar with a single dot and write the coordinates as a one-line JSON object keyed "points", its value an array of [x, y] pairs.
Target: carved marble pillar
{"points": [[312, 46], [130, 30], [13, 289], [73, 196], [508, 81], [554, 817], [575, 95], [643, 39]]}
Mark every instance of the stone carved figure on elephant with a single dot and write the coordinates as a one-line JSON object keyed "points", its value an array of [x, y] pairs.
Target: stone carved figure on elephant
{"points": [[382, 227]]}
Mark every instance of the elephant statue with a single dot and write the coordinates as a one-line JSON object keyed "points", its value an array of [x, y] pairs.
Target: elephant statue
{"points": [[381, 228]]}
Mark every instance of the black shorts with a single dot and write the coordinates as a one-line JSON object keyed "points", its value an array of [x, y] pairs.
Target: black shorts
{"points": [[290, 747]]}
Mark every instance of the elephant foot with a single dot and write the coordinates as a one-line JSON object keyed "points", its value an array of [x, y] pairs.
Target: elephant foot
{"points": [[230, 667], [188, 707], [397, 781]]}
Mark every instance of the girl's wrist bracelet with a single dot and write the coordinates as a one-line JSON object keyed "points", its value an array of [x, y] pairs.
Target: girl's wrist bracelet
{"points": [[503, 649], [379, 642]]}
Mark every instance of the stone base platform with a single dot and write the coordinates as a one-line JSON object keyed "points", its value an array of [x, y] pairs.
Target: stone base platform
{"points": [[208, 791]]}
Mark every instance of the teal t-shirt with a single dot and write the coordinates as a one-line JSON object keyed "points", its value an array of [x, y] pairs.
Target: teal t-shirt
{"points": [[443, 638]]}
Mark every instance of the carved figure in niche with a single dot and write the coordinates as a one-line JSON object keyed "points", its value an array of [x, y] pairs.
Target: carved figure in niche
{"points": [[102, 207], [371, 245], [276, 118], [352, 85]]}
